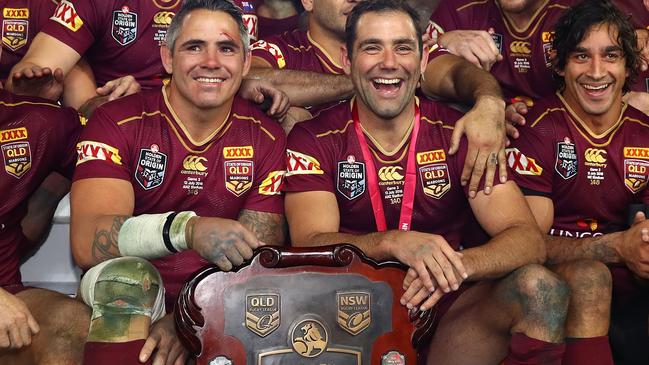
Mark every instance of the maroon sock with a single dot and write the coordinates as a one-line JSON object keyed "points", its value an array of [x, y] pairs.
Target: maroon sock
{"points": [[110, 353], [524, 350], [591, 351]]}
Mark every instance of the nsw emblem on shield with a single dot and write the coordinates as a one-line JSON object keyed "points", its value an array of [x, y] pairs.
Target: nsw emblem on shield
{"points": [[354, 314]]}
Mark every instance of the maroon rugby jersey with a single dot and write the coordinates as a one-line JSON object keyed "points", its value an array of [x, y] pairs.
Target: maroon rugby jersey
{"points": [[324, 155], [36, 138], [590, 178], [140, 139], [21, 21], [525, 69]]}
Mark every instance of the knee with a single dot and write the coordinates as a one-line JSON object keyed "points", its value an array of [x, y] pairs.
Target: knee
{"points": [[541, 295], [124, 286], [590, 281]]}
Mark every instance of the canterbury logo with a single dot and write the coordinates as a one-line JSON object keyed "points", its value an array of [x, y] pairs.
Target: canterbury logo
{"points": [[390, 173], [520, 47], [637, 152], [163, 17], [595, 155], [194, 163]]}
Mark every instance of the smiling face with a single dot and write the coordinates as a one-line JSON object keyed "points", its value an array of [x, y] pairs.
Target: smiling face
{"points": [[594, 75], [329, 15], [385, 63], [208, 61]]}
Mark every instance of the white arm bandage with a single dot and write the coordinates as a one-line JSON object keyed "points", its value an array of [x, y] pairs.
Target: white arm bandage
{"points": [[151, 236]]}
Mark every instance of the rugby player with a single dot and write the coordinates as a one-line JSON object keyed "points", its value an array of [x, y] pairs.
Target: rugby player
{"points": [[182, 176], [373, 172], [581, 162], [37, 326]]}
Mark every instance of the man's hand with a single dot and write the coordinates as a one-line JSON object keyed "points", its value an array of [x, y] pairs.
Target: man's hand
{"points": [[33, 80], [17, 325], [224, 242], [476, 46], [262, 92], [484, 126], [638, 100], [416, 293], [119, 87], [428, 254], [514, 115], [634, 248], [163, 344], [643, 46]]}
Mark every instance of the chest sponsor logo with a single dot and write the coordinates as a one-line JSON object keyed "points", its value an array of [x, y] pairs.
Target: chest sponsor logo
{"points": [[566, 160], [91, 150], [272, 184], [151, 168], [595, 160], [354, 314], [594, 156], [427, 157], [15, 33], [498, 39], [15, 13], [298, 163], [520, 48], [435, 180], [309, 338], [238, 176], [194, 163], [263, 313], [351, 179], [522, 164], [390, 173], [124, 26], [17, 158], [66, 15], [10, 135], [238, 152], [273, 50], [635, 174], [636, 152], [163, 18]]}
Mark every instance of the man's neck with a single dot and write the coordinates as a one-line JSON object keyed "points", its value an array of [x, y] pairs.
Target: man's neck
{"points": [[327, 40], [521, 20], [597, 124], [200, 123], [387, 133]]}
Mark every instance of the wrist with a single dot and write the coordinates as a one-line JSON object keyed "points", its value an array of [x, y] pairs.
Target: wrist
{"points": [[189, 232]]}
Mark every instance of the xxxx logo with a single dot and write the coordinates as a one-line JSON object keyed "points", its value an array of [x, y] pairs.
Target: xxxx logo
{"points": [[194, 163], [520, 47], [636, 152], [522, 164], [9, 135], [91, 150], [430, 157], [594, 155], [238, 152], [66, 15], [301, 163], [272, 184], [273, 50], [390, 173], [15, 13]]}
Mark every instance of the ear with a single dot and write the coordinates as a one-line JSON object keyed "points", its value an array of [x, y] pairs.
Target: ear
{"points": [[345, 61], [307, 5], [424, 58], [165, 55], [247, 61]]}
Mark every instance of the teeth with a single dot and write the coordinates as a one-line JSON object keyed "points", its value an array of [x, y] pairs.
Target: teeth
{"points": [[387, 81], [591, 87], [209, 79]]}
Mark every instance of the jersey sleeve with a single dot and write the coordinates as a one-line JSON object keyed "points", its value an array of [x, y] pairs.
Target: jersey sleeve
{"points": [[102, 151], [442, 20], [304, 170], [69, 129], [271, 50], [75, 23], [266, 192], [530, 159]]}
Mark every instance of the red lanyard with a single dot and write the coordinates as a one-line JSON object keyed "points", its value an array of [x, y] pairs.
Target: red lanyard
{"points": [[407, 201]]}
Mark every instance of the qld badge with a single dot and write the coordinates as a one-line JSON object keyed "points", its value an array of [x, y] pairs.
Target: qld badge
{"points": [[435, 180], [17, 158], [238, 176]]}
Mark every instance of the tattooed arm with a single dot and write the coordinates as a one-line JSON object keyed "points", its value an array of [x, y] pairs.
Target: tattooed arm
{"points": [[268, 227], [98, 207]]}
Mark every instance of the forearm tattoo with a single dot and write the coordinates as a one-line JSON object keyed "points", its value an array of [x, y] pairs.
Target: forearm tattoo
{"points": [[268, 227], [563, 249], [104, 244]]}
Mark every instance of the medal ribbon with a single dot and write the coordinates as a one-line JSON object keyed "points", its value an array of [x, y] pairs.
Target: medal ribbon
{"points": [[407, 202]]}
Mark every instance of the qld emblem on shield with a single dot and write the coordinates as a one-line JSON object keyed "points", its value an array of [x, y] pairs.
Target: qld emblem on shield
{"points": [[263, 313]]}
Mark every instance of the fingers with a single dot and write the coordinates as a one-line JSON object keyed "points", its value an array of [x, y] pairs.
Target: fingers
{"points": [[117, 88], [418, 298], [422, 272], [431, 301], [411, 275], [639, 217], [456, 260], [492, 164], [411, 291], [458, 131], [447, 279], [502, 165], [511, 131], [15, 336], [4, 340], [149, 346], [644, 234], [514, 113], [479, 165]]}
